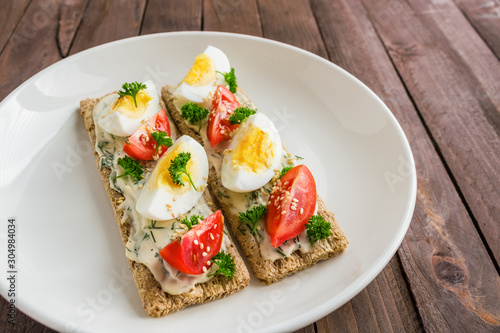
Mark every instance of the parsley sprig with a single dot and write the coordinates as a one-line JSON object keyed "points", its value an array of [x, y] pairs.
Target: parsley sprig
{"points": [[162, 139], [193, 113], [191, 221], [240, 114], [131, 89], [230, 79], [131, 167], [317, 228], [251, 218], [285, 170], [225, 263], [178, 166]]}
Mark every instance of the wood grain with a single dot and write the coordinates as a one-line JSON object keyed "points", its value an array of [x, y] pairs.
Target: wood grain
{"points": [[33, 44], [296, 26], [454, 79], [10, 15], [70, 17], [240, 16], [107, 21], [383, 306], [173, 15], [484, 15], [452, 278]]}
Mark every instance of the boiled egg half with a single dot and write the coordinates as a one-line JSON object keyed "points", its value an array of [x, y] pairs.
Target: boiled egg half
{"points": [[122, 118], [161, 198], [202, 79], [253, 154]]}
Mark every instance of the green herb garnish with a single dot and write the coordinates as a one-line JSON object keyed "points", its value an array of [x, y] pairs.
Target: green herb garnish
{"points": [[192, 220], [251, 218], [317, 228], [285, 170], [131, 167], [131, 89], [194, 113], [225, 263], [230, 79], [240, 114], [162, 139], [178, 167]]}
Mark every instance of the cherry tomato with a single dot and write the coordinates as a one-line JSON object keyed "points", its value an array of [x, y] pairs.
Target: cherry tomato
{"points": [[141, 144], [286, 218], [197, 246], [219, 127]]}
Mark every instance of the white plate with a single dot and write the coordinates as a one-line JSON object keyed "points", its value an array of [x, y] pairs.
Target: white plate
{"points": [[72, 271]]}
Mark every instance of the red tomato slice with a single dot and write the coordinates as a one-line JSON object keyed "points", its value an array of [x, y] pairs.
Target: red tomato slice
{"points": [[298, 183], [219, 127], [197, 246], [141, 144]]}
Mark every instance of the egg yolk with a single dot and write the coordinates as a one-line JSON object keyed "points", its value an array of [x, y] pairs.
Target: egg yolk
{"points": [[202, 72], [161, 175], [126, 106], [254, 151]]}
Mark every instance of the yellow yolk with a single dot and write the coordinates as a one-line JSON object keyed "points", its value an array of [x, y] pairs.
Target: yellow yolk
{"points": [[126, 106], [254, 151], [161, 174], [202, 72]]}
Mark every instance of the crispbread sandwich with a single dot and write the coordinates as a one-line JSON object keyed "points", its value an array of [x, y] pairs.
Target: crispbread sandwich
{"points": [[175, 240], [267, 194]]}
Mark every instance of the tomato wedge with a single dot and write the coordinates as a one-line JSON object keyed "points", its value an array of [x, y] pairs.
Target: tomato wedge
{"points": [[193, 252], [141, 144], [291, 203], [219, 127]]}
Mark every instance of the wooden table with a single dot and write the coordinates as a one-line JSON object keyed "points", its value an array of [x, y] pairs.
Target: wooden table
{"points": [[434, 63]]}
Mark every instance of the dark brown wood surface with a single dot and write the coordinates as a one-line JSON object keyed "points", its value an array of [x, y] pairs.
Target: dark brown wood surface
{"points": [[434, 63]]}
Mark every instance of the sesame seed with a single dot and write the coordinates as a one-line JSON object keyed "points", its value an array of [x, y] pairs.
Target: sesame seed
{"points": [[283, 212], [195, 242], [295, 200], [205, 178], [211, 236], [204, 269], [209, 263], [173, 215], [293, 208], [208, 248], [286, 183], [271, 197], [204, 254], [302, 211], [202, 246], [215, 226]]}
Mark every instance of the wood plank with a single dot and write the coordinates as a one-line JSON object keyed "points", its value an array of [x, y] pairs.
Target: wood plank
{"points": [[307, 329], [383, 306], [10, 15], [70, 17], [296, 26], [33, 45], [452, 278], [173, 15], [454, 79], [105, 21], [237, 16], [484, 15]]}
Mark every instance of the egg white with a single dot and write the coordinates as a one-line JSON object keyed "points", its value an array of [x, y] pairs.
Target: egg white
{"points": [[117, 123], [201, 95], [159, 202], [240, 179]]}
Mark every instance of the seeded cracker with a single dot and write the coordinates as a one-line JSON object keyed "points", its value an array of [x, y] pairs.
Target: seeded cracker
{"points": [[157, 303], [265, 270]]}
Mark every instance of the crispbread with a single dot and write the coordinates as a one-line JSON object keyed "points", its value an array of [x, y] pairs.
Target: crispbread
{"points": [[156, 302], [265, 270]]}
